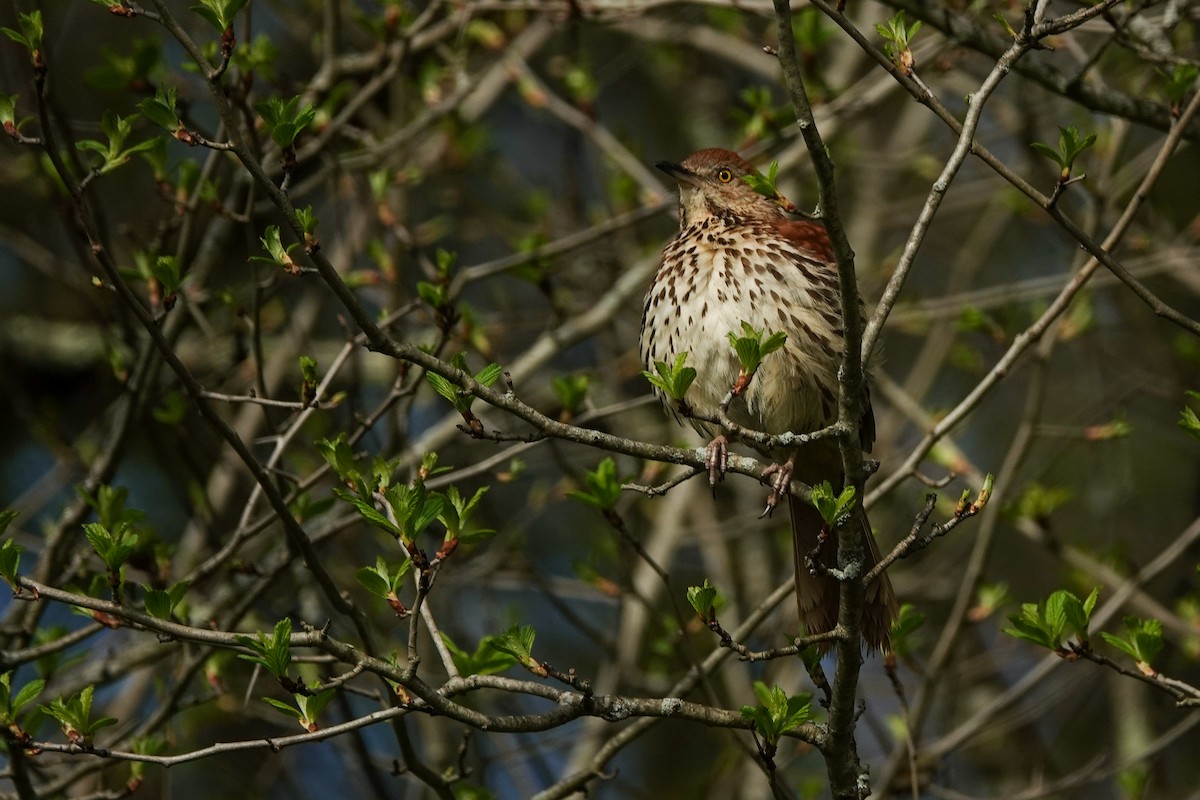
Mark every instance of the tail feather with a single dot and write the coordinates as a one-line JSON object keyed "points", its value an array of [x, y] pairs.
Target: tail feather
{"points": [[817, 595]]}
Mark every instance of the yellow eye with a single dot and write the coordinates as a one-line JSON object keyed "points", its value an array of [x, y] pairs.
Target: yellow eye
{"points": [[724, 176]]}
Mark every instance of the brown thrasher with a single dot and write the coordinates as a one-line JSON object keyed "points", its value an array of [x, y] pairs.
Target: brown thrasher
{"points": [[738, 257]]}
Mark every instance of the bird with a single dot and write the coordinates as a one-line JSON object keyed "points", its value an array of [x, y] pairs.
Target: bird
{"points": [[739, 257]]}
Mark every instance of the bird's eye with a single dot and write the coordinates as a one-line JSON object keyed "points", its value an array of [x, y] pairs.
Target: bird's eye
{"points": [[724, 176]]}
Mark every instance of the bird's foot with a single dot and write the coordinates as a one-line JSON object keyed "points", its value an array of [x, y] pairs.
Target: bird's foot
{"points": [[779, 478], [716, 459]]}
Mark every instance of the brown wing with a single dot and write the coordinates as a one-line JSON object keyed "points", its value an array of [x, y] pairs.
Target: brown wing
{"points": [[811, 237]]}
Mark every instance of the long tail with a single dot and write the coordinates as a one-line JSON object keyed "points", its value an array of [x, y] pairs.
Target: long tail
{"points": [[817, 595]]}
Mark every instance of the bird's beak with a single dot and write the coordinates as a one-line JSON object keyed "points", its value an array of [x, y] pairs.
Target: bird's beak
{"points": [[677, 171]]}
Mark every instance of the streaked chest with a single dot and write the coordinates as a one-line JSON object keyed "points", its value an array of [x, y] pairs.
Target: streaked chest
{"points": [[714, 277]]}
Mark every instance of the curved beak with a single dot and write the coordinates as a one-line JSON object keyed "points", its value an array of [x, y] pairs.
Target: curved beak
{"points": [[679, 173]]}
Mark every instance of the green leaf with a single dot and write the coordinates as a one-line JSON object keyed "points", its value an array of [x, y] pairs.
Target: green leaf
{"points": [[158, 604], [751, 348], [1079, 615], [414, 508], [603, 484], [1179, 82], [465, 790], [273, 653], [165, 269], [570, 391], [1144, 642], [1046, 623], [381, 580], [29, 33], [161, 603], [444, 387], [26, 695], [291, 711], [673, 380], [311, 707], [486, 660], [489, 374], [897, 39], [219, 13], [114, 153], [74, 716], [704, 599], [777, 713], [340, 457], [160, 109], [10, 704], [517, 642], [907, 622], [433, 294], [307, 219], [285, 119], [132, 67], [456, 514], [1049, 152], [1188, 419], [172, 408], [114, 549], [445, 262], [10, 553], [373, 581], [366, 509], [279, 254], [1070, 146], [1038, 502], [832, 509], [8, 110], [764, 184]]}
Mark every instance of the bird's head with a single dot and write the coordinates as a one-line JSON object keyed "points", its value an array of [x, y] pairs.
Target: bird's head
{"points": [[712, 184]]}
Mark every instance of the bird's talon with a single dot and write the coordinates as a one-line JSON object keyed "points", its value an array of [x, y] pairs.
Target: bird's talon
{"points": [[780, 476], [716, 459]]}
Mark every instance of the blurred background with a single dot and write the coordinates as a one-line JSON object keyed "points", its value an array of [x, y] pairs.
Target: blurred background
{"points": [[503, 152]]}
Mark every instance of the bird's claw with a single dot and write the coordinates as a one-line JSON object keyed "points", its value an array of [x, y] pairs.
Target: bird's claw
{"points": [[779, 478], [716, 459]]}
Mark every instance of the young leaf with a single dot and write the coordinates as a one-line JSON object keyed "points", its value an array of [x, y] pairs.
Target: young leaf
{"points": [[777, 713], [704, 599], [456, 514], [10, 553], [28, 33], [751, 348], [603, 484], [832, 509], [273, 653], [673, 380], [1188, 419], [285, 119], [1070, 146], [486, 660], [1046, 623], [74, 716], [383, 581], [161, 604], [517, 642], [1144, 642], [160, 109], [570, 391], [908, 621], [897, 40], [219, 13], [11, 704]]}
